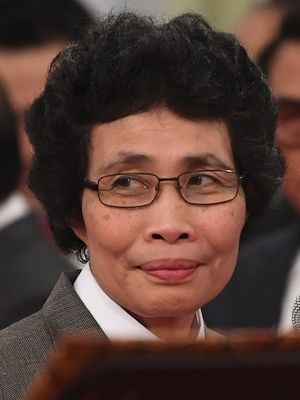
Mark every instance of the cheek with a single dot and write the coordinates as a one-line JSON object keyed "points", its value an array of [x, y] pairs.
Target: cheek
{"points": [[112, 231], [228, 223], [223, 245]]}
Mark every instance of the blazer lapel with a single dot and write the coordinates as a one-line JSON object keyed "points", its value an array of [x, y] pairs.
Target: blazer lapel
{"points": [[65, 314]]}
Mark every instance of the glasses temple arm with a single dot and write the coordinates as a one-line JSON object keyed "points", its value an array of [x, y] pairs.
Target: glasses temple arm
{"points": [[90, 185]]}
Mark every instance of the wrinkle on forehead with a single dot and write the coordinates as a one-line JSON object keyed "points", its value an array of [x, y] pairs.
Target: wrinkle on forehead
{"points": [[153, 137]]}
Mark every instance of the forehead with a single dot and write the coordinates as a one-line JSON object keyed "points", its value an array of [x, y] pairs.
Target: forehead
{"points": [[162, 138], [284, 72]]}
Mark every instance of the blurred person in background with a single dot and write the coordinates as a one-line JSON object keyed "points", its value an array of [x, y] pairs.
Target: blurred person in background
{"points": [[261, 24], [30, 264], [150, 144], [32, 32], [267, 278]]}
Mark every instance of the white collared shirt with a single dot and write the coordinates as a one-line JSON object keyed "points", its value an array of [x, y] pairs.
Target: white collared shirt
{"points": [[12, 209], [292, 291], [115, 322]]}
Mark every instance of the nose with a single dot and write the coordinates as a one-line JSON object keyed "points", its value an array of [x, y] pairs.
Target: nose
{"points": [[171, 219]]}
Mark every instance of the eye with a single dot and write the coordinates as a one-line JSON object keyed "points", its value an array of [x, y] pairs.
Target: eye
{"points": [[128, 182], [211, 180], [200, 180]]}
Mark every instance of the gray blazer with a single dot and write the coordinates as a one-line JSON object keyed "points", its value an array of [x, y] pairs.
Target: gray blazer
{"points": [[26, 345]]}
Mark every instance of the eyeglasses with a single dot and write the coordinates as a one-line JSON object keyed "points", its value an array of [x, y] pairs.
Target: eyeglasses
{"points": [[288, 109], [289, 123], [130, 190]]}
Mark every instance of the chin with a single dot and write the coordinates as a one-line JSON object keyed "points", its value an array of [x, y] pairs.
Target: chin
{"points": [[174, 309]]}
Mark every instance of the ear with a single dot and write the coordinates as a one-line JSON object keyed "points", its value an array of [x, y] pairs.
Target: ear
{"points": [[80, 231]]}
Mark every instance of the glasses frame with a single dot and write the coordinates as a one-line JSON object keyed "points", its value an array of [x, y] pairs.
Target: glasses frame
{"points": [[288, 109], [94, 186]]}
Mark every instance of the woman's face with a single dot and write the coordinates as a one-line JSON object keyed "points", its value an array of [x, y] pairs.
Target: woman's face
{"points": [[166, 259]]}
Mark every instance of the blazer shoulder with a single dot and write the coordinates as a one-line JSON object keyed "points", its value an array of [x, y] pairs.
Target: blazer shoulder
{"points": [[24, 347]]}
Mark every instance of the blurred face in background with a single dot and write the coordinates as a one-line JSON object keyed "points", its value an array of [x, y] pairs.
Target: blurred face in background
{"points": [[23, 72], [284, 77], [259, 27]]}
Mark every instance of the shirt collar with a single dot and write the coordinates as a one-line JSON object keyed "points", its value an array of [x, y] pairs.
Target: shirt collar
{"points": [[116, 323], [12, 209]]}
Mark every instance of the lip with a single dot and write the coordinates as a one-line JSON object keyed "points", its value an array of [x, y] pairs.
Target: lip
{"points": [[170, 270]]}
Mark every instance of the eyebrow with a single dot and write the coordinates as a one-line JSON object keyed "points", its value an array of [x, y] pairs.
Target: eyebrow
{"points": [[127, 158], [192, 161], [204, 161]]}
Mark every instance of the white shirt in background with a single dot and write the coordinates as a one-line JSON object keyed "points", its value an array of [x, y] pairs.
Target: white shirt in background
{"points": [[12, 209], [292, 291]]}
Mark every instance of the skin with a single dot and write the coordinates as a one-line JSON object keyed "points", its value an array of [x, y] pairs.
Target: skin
{"points": [[122, 241], [258, 28], [284, 78], [23, 73]]}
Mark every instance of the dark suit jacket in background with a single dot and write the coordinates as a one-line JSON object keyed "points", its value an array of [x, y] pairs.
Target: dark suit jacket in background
{"points": [[278, 214], [253, 297], [30, 266], [26, 345]]}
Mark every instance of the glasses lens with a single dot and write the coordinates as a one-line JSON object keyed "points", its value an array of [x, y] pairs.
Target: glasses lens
{"points": [[208, 187], [127, 190], [288, 109]]}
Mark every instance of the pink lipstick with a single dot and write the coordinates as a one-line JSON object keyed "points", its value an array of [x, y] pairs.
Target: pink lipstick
{"points": [[170, 270]]}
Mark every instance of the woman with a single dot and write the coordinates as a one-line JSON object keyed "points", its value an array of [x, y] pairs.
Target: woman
{"points": [[153, 145]]}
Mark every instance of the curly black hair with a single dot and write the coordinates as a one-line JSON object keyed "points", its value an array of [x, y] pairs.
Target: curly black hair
{"points": [[127, 64]]}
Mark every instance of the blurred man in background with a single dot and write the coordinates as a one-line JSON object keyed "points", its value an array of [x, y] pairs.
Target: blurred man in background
{"points": [[267, 278], [261, 24], [31, 33], [30, 264]]}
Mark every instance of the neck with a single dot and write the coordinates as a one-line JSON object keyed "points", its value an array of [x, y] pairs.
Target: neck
{"points": [[174, 329]]}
